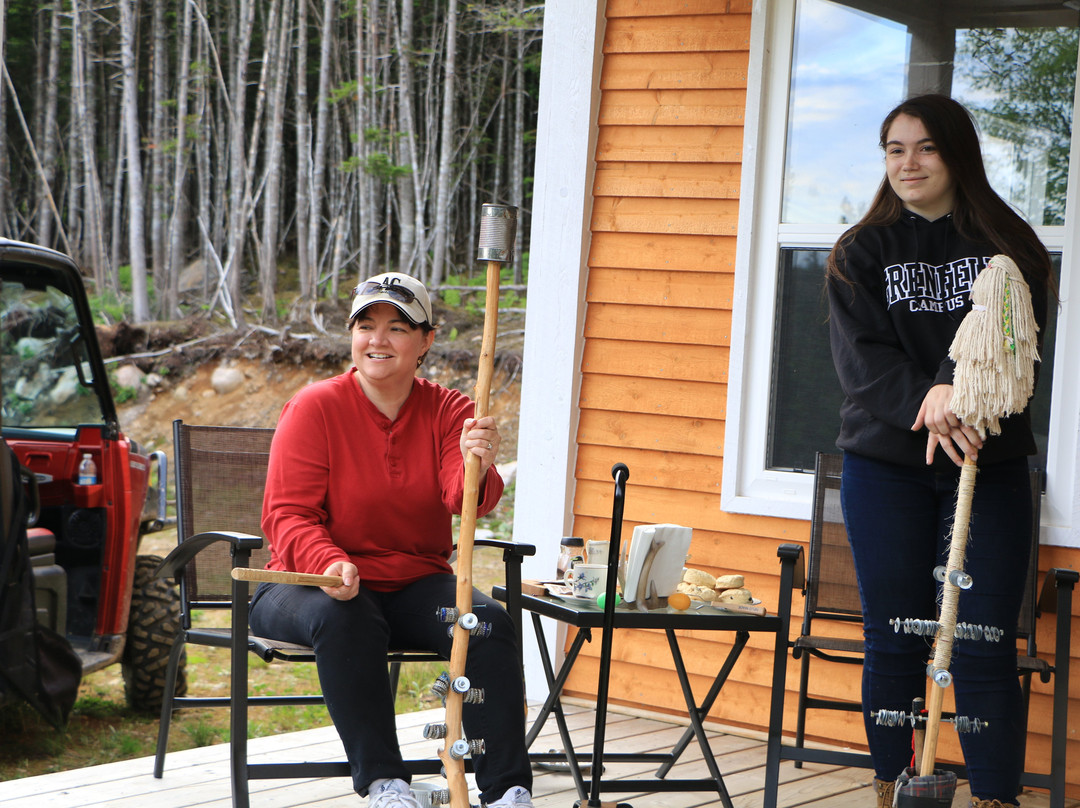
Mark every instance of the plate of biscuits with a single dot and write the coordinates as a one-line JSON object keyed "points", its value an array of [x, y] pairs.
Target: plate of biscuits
{"points": [[724, 589]]}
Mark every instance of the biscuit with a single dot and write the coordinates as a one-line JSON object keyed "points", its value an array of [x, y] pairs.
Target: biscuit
{"points": [[699, 578], [697, 592], [736, 595], [729, 582]]}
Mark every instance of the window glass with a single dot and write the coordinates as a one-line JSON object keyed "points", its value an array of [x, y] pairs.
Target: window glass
{"points": [[806, 395], [805, 398], [838, 97], [1018, 82]]}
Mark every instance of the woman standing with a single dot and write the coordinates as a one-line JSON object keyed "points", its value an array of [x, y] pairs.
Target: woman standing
{"points": [[898, 285], [366, 470]]}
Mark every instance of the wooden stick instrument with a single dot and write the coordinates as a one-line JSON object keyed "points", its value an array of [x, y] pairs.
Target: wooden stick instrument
{"points": [[281, 577], [498, 229], [949, 604], [995, 350]]}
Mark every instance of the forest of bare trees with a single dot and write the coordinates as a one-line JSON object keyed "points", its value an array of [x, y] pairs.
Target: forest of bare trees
{"points": [[200, 153]]}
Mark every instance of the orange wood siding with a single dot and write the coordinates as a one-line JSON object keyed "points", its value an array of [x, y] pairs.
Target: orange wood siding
{"points": [[655, 360]]}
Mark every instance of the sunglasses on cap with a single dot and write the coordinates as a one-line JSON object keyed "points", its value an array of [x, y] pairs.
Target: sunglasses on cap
{"points": [[395, 290]]}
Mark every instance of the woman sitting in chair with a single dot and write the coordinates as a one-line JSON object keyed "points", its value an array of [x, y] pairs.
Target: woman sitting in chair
{"points": [[366, 470]]}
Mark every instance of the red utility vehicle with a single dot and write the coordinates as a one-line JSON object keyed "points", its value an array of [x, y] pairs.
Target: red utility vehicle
{"points": [[90, 584]]}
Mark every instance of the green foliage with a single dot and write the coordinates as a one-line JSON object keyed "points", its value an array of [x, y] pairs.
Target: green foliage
{"points": [[109, 307], [123, 394], [1030, 73], [203, 734], [98, 707], [346, 91], [349, 165], [380, 166]]}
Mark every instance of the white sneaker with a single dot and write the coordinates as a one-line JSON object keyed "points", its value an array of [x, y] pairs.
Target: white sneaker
{"points": [[516, 797], [391, 794]]}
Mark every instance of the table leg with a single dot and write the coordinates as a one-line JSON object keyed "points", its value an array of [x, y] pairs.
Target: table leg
{"points": [[554, 705], [741, 638], [695, 719]]}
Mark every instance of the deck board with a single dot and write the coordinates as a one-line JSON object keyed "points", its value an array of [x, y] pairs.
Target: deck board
{"points": [[199, 778]]}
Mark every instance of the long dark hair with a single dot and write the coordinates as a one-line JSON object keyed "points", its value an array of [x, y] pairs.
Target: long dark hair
{"points": [[978, 212]]}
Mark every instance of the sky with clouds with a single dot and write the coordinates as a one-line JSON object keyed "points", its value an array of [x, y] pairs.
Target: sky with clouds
{"points": [[849, 70]]}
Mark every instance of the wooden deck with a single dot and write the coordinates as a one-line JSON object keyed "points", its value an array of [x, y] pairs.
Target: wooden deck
{"points": [[200, 777]]}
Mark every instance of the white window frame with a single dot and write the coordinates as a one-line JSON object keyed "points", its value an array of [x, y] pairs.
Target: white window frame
{"points": [[748, 487]]}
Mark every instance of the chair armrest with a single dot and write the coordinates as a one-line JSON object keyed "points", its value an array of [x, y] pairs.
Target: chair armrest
{"points": [[1058, 584], [793, 566], [186, 550], [509, 548]]}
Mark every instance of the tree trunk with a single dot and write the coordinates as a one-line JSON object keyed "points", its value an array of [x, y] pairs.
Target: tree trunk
{"points": [[305, 260], [517, 170], [367, 212], [322, 111], [46, 224], [203, 162], [5, 172], [140, 300], [92, 207], [234, 263], [158, 179], [170, 303], [271, 196], [446, 148]]}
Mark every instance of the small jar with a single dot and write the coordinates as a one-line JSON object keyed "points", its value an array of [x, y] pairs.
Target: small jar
{"points": [[571, 552]]}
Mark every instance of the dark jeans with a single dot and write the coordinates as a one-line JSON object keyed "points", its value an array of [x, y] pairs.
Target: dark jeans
{"points": [[351, 639], [899, 522]]}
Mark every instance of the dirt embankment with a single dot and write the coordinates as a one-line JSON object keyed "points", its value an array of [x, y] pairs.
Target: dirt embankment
{"points": [[268, 365]]}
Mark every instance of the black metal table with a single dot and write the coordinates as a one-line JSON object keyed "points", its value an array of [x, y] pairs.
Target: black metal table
{"points": [[586, 616]]}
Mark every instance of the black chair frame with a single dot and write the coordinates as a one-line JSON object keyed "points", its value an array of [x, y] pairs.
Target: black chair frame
{"points": [[247, 549], [832, 595]]}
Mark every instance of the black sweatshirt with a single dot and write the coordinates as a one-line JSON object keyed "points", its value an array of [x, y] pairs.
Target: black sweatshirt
{"points": [[890, 332]]}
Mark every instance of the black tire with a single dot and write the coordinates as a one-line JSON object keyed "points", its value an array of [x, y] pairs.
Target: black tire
{"points": [[153, 624]]}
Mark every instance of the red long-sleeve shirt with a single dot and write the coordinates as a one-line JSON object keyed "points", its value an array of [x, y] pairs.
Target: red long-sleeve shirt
{"points": [[347, 483]]}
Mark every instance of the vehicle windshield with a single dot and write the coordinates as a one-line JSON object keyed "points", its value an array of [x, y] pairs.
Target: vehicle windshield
{"points": [[47, 380]]}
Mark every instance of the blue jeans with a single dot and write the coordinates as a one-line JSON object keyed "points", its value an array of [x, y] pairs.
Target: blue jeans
{"points": [[351, 639], [899, 521]]}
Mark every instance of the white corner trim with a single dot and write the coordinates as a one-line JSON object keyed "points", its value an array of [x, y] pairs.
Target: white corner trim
{"points": [[555, 312]]}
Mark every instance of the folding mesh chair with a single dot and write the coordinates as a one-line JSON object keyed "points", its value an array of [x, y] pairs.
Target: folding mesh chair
{"points": [[220, 477], [831, 595]]}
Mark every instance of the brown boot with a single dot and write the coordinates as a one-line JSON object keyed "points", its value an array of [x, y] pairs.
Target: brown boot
{"points": [[884, 789], [977, 803]]}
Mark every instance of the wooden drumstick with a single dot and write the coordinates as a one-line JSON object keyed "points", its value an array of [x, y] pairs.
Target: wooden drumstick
{"points": [[281, 577]]}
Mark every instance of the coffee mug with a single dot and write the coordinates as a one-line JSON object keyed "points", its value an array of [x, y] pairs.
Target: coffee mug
{"points": [[597, 551], [588, 580]]}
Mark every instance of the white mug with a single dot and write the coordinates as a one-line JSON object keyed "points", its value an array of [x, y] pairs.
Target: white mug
{"points": [[597, 551], [588, 580]]}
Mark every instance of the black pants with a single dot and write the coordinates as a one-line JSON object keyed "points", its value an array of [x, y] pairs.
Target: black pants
{"points": [[351, 639], [899, 522]]}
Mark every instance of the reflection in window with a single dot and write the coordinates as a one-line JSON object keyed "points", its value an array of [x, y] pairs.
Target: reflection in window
{"points": [[45, 366], [1018, 82], [806, 396], [804, 404]]}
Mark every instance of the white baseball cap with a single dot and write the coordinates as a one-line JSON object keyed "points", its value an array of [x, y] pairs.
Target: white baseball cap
{"points": [[402, 291]]}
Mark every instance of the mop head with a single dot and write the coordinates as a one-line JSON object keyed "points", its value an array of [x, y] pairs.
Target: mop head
{"points": [[995, 349]]}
